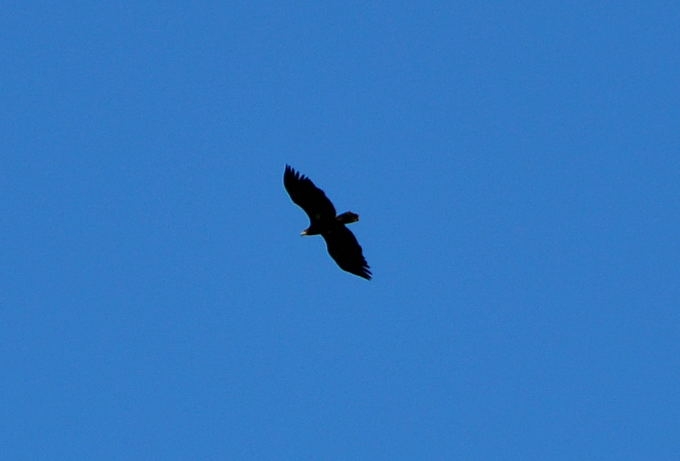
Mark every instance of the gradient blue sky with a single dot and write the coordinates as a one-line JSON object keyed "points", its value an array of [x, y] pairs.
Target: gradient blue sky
{"points": [[517, 169]]}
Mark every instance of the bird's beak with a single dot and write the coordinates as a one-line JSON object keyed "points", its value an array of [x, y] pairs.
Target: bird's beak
{"points": [[303, 233]]}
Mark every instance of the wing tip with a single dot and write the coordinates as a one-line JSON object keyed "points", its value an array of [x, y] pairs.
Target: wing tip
{"points": [[290, 176], [364, 272], [291, 173]]}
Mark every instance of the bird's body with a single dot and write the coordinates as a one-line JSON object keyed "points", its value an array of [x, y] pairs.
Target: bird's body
{"points": [[341, 243]]}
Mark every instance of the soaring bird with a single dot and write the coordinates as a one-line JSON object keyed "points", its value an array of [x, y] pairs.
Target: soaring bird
{"points": [[341, 243]]}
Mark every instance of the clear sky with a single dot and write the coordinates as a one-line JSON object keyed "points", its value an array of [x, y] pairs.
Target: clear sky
{"points": [[516, 166]]}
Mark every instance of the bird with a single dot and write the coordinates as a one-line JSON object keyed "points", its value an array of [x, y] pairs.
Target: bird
{"points": [[341, 243]]}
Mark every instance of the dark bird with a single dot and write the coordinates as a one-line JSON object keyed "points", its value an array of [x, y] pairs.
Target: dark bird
{"points": [[340, 241]]}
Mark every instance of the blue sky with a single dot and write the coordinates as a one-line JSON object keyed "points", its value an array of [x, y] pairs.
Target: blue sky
{"points": [[516, 166]]}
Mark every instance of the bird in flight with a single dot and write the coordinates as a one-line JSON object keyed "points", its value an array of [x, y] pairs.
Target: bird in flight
{"points": [[341, 243]]}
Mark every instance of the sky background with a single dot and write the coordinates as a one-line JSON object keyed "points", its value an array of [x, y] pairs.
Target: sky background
{"points": [[516, 166]]}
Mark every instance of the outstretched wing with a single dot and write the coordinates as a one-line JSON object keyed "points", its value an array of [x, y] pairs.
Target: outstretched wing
{"points": [[345, 250], [307, 196]]}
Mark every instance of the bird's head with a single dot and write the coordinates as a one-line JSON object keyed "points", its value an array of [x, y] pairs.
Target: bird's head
{"points": [[311, 230]]}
